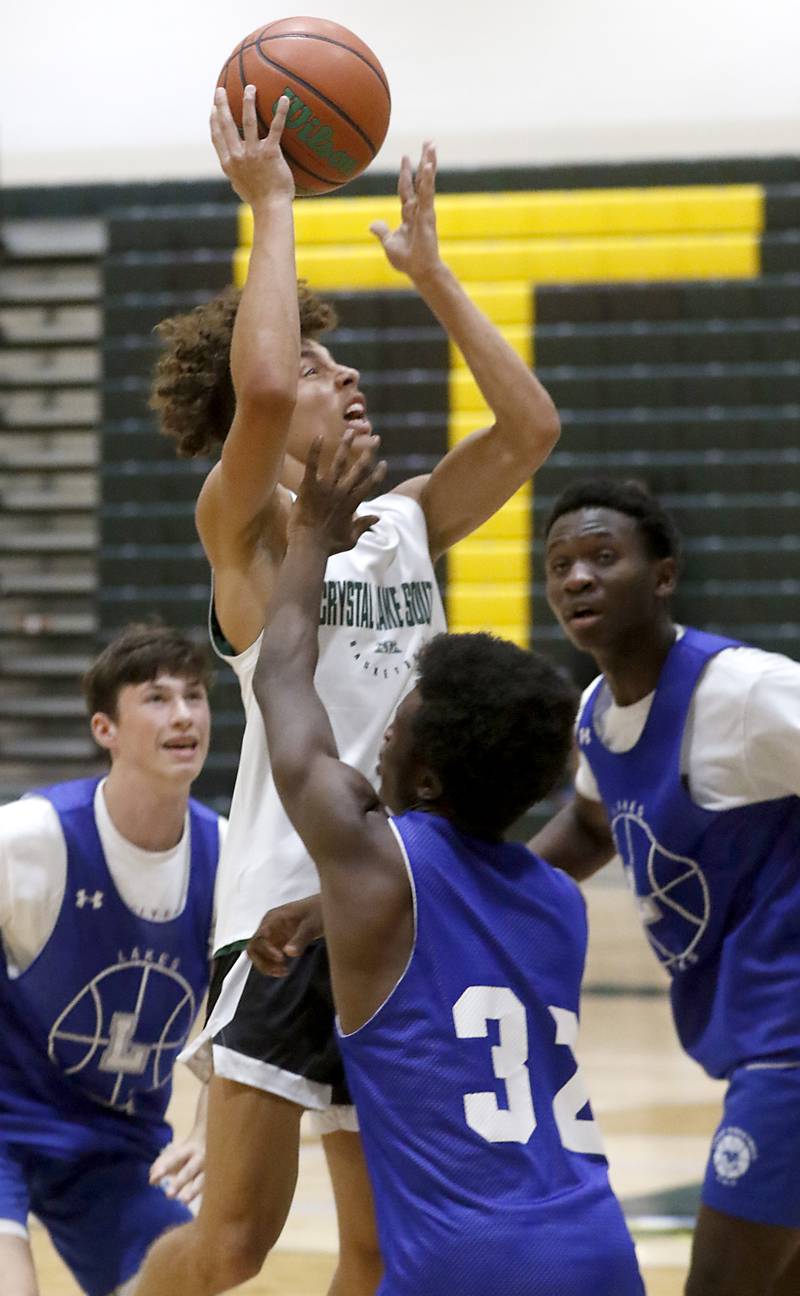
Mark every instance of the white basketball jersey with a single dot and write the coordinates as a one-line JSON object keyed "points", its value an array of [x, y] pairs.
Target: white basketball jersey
{"points": [[380, 604]]}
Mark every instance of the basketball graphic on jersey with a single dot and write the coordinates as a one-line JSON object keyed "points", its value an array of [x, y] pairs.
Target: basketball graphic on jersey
{"points": [[123, 1031], [671, 891], [732, 1153]]}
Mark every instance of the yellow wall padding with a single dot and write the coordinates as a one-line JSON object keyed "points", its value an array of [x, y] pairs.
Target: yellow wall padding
{"points": [[483, 561], [500, 245], [682, 209], [491, 606], [546, 261], [497, 556]]}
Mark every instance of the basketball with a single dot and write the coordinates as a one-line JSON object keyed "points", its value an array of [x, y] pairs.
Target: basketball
{"points": [[338, 92]]}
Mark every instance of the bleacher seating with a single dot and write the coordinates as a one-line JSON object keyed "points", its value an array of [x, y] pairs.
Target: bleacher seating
{"points": [[49, 375]]}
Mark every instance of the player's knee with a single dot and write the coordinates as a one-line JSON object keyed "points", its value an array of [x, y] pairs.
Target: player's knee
{"points": [[239, 1250]]}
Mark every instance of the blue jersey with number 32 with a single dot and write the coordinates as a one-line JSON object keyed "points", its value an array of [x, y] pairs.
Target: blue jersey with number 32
{"points": [[487, 1168]]}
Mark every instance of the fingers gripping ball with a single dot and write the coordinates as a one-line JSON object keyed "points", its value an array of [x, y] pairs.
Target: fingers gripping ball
{"points": [[338, 92]]}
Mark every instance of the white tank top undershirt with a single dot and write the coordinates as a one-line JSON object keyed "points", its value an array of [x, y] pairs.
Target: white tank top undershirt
{"points": [[380, 603]]}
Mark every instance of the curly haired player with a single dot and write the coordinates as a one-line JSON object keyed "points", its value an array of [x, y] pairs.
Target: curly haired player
{"points": [[252, 376]]}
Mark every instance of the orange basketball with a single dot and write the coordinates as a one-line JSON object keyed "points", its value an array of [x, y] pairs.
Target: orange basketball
{"points": [[339, 95]]}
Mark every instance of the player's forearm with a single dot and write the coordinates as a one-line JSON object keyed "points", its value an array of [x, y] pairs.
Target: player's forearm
{"points": [[265, 347], [295, 720], [568, 842], [523, 410]]}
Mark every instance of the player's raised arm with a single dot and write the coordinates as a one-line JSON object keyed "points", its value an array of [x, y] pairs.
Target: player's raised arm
{"points": [[366, 899], [265, 346], [318, 792], [479, 474]]}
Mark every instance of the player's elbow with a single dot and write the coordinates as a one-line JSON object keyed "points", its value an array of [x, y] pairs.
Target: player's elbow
{"points": [[267, 397], [527, 441], [541, 433]]}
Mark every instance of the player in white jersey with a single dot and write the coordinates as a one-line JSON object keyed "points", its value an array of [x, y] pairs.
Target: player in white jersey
{"points": [[251, 376]]}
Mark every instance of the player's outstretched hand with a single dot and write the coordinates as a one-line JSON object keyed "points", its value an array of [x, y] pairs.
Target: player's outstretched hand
{"points": [[327, 500], [413, 247], [179, 1168], [283, 933], [255, 167]]}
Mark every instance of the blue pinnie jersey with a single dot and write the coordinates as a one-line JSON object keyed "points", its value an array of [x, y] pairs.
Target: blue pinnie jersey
{"points": [[487, 1166], [718, 891], [93, 1027]]}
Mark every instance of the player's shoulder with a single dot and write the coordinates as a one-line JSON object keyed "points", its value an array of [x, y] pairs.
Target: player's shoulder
{"points": [[591, 687], [402, 500], [563, 889], [29, 822], [741, 666], [402, 513]]}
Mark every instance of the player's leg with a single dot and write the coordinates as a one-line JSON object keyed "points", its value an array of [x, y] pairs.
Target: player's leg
{"points": [[788, 1282], [102, 1213], [16, 1260], [360, 1267], [748, 1228], [16, 1264], [735, 1257], [251, 1172]]}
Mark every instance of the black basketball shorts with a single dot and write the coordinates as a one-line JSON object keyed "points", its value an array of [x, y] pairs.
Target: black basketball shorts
{"points": [[281, 1037]]}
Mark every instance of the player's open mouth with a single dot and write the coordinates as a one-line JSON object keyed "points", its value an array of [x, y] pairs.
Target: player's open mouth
{"points": [[182, 745], [584, 615], [355, 415]]}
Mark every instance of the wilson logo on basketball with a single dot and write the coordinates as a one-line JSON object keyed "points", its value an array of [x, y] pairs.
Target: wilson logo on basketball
{"points": [[310, 130]]}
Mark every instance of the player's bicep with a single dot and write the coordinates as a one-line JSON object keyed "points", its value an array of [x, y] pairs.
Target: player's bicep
{"points": [[468, 486], [593, 820], [252, 457], [577, 839]]}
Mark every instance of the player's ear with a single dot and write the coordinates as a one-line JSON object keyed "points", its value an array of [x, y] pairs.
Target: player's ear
{"points": [[666, 577], [104, 730], [429, 787]]}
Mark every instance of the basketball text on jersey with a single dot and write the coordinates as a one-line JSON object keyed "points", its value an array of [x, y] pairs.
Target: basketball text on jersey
{"points": [[376, 607]]}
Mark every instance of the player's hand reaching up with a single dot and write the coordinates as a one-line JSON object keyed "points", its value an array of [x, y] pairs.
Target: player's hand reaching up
{"points": [[327, 501], [256, 168], [413, 247]]}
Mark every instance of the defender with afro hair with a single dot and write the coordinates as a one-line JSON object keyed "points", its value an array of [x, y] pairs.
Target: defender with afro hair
{"points": [[495, 724]]}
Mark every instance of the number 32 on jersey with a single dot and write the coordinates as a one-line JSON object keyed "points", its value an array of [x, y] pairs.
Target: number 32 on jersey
{"points": [[472, 1012]]}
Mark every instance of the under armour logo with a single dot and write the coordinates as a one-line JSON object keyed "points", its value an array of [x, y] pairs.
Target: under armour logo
{"points": [[83, 898], [584, 736]]}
